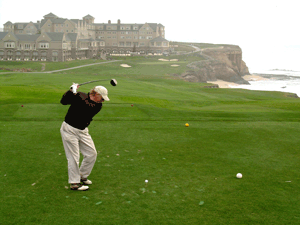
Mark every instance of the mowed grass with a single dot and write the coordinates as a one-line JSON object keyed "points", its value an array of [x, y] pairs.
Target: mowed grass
{"points": [[141, 135]]}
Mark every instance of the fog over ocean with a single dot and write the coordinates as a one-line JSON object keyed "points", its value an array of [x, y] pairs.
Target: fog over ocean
{"points": [[278, 80], [280, 67]]}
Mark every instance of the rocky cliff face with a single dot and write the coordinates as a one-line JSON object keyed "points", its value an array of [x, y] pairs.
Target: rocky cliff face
{"points": [[224, 63]]}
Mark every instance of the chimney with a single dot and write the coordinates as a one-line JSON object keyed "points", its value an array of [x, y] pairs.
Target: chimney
{"points": [[119, 22], [109, 22]]}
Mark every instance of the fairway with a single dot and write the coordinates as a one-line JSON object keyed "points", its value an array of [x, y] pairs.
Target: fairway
{"points": [[140, 134]]}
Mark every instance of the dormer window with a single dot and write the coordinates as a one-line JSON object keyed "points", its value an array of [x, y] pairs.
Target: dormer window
{"points": [[9, 44], [44, 45]]}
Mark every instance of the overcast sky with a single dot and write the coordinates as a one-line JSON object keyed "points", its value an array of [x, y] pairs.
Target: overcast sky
{"points": [[266, 30]]}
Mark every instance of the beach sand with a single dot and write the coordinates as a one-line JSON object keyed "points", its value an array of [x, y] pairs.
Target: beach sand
{"points": [[254, 78], [222, 83], [225, 84]]}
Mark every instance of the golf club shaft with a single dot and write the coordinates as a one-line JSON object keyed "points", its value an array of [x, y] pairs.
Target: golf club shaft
{"points": [[90, 82]]}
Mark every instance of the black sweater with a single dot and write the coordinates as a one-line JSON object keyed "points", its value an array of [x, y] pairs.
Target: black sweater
{"points": [[82, 109]]}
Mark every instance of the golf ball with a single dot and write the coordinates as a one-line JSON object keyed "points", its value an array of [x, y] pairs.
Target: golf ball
{"points": [[239, 175], [146, 181], [186, 124]]}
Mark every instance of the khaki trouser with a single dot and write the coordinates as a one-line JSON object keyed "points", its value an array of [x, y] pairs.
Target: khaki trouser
{"points": [[76, 141]]}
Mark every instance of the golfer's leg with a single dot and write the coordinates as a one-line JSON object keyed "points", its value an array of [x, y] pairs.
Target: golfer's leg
{"points": [[88, 150], [71, 145]]}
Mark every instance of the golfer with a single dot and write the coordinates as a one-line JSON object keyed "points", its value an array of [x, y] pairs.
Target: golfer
{"points": [[75, 134]]}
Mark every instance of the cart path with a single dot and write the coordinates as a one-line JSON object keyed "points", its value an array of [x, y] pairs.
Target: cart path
{"points": [[72, 68]]}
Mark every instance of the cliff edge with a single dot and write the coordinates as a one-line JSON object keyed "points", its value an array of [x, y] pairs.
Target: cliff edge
{"points": [[222, 63]]}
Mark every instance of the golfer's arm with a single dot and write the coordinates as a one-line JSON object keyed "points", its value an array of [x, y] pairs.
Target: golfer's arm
{"points": [[67, 98]]}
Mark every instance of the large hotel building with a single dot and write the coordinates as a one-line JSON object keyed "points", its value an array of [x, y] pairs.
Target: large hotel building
{"points": [[58, 39]]}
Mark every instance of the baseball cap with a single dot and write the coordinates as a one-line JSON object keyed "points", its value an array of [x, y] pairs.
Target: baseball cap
{"points": [[102, 91]]}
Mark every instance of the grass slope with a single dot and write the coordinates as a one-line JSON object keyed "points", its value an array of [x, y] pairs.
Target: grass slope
{"points": [[191, 170]]}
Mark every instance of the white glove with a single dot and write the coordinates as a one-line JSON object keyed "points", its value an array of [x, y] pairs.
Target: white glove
{"points": [[74, 87]]}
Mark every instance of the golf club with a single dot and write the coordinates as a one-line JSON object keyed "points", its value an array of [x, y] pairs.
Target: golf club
{"points": [[113, 82]]}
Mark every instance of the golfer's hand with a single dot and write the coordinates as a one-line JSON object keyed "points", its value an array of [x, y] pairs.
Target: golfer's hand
{"points": [[74, 88]]}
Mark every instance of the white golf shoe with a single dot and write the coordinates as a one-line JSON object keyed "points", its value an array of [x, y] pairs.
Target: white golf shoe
{"points": [[86, 181], [79, 187]]}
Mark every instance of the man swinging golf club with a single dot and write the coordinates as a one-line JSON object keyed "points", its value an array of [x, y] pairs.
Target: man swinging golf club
{"points": [[75, 134]]}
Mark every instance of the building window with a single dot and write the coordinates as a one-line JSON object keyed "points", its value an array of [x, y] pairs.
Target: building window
{"points": [[149, 37], [26, 53], [1, 53], [121, 43], [128, 44], [18, 53], [165, 44], [158, 44], [27, 46], [54, 56], [9, 44], [35, 53], [44, 45]]}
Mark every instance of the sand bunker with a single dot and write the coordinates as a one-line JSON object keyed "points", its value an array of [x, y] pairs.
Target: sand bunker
{"points": [[125, 65], [174, 65], [166, 60]]}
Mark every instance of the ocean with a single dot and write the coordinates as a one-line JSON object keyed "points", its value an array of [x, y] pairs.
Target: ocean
{"points": [[276, 80]]}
